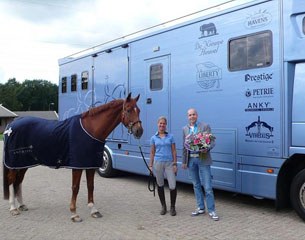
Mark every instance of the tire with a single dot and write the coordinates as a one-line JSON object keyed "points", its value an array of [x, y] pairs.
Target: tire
{"points": [[106, 170], [297, 194]]}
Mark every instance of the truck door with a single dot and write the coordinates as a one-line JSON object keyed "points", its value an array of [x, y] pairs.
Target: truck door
{"points": [[157, 93], [298, 113], [111, 82]]}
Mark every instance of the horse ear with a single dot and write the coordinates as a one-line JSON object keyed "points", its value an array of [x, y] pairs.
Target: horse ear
{"points": [[137, 98], [128, 97]]}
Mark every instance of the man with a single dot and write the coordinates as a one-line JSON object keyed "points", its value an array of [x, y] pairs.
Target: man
{"points": [[199, 167]]}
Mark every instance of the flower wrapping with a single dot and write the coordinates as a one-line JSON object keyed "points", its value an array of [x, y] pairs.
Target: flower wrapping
{"points": [[200, 142]]}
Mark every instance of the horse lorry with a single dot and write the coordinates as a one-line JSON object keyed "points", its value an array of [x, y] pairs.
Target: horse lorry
{"points": [[241, 67]]}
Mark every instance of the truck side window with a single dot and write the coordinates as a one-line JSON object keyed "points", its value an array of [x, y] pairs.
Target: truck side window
{"points": [[73, 83], [64, 84], [85, 76], [250, 51], [156, 77]]}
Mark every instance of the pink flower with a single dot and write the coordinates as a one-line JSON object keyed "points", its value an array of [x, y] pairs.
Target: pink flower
{"points": [[200, 142]]}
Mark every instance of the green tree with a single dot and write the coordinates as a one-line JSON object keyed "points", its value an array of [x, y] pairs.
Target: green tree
{"points": [[35, 95], [8, 94], [38, 95]]}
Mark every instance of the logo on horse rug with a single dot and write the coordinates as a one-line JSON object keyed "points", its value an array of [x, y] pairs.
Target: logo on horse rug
{"points": [[31, 141]]}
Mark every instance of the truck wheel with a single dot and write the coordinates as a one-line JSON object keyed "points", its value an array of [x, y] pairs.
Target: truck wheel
{"points": [[106, 170], [297, 194]]}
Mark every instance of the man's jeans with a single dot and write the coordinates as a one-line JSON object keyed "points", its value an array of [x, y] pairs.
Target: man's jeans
{"points": [[200, 174]]}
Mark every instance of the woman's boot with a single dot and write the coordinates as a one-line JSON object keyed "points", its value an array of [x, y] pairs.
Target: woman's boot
{"points": [[162, 200], [173, 195]]}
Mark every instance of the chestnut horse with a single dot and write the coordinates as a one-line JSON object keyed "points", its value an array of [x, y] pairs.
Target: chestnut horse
{"points": [[76, 143]]}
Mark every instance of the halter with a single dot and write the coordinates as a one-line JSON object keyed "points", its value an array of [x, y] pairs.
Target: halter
{"points": [[130, 125]]}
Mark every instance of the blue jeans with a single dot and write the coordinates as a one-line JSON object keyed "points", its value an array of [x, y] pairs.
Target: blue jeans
{"points": [[200, 175]]}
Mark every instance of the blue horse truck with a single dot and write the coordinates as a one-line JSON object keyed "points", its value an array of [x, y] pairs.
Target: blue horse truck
{"points": [[242, 68]]}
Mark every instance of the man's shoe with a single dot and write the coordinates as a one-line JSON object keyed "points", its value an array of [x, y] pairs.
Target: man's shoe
{"points": [[214, 216], [197, 212]]}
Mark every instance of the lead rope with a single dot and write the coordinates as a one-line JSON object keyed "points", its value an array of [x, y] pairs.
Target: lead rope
{"points": [[151, 179]]}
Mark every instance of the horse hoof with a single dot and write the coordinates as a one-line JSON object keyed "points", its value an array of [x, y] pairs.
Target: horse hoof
{"points": [[76, 218], [96, 215], [23, 208], [14, 212]]}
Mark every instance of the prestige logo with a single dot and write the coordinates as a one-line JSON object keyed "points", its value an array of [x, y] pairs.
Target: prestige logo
{"points": [[259, 77]]}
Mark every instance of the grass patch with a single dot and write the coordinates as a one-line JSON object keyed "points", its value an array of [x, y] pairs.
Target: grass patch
{"points": [[1, 136]]}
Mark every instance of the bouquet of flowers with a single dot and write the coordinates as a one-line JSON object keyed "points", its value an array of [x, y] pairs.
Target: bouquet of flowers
{"points": [[200, 142]]}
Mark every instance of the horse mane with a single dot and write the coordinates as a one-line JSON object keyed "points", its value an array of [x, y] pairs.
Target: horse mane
{"points": [[96, 110]]}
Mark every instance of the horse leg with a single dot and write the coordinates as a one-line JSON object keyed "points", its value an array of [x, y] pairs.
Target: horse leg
{"points": [[90, 186], [19, 180], [11, 178], [76, 176]]}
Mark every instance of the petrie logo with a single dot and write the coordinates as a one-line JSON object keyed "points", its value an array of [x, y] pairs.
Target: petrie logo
{"points": [[260, 92], [259, 107], [259, 77], [261, 130]]}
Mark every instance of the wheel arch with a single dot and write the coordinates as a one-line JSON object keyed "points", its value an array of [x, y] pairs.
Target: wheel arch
{"points": [[288, 171], [107, 170]]}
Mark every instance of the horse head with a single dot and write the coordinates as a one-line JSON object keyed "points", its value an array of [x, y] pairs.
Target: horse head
{"points": [[131, 116]]}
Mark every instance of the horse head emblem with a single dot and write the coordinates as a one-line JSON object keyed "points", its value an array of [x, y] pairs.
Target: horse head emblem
{"points": [[131, 116]]}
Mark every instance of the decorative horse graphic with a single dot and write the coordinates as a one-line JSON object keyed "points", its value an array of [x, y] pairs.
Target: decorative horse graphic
{"points": [[76, 143], [259, 124]]}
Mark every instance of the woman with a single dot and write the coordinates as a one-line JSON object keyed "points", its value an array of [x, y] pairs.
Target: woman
{"points": [[163, 159]]}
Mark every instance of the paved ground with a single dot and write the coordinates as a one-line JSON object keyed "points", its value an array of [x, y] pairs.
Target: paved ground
{"points": [[131, 212]]}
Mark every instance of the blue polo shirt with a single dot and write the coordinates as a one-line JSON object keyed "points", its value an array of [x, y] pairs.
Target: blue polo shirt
{"points": [[163, 147]]}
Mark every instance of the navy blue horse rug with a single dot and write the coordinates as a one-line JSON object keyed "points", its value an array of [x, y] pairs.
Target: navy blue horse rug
{"points": [[30, 141]]}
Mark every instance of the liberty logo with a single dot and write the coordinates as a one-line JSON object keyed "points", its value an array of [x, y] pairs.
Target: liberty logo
{"points": [[208, 75]]}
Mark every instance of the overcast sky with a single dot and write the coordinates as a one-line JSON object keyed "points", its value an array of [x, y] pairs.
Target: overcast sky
{"points": [[36, 33]]}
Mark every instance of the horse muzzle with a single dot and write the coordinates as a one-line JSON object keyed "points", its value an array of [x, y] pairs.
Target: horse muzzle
{"points": [[137, 130]]}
